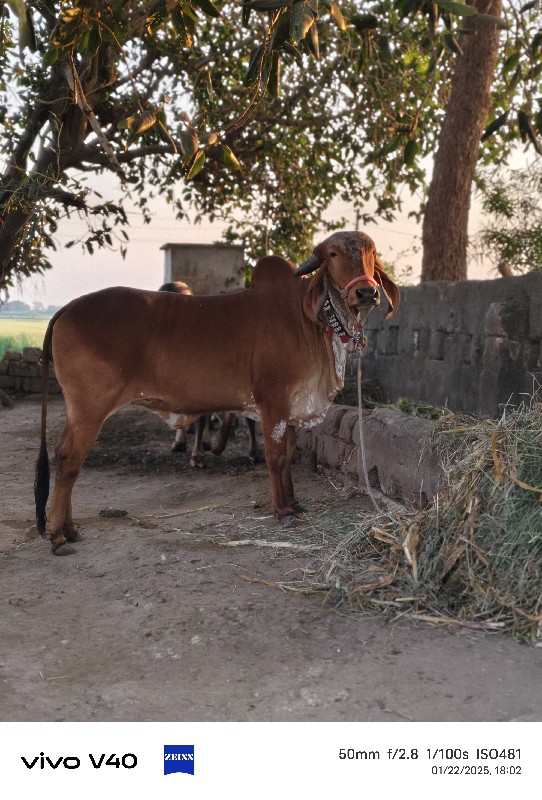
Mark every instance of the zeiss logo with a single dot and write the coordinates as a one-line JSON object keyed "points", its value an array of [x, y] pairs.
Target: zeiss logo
{"points": [[179, 758]]}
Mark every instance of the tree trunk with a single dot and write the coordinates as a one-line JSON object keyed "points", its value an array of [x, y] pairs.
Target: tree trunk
{"points": [[445, 225]]}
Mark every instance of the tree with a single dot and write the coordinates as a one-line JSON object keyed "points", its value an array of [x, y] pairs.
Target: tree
{"points": [[445, 222], [512, 232], [161, 93], [183, 97]]}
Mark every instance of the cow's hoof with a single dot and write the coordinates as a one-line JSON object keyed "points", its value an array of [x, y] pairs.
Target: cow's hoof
{"points": [[255, 457], [198, 462], [178, 447], [288, 521], [63, 549], [298, 508], [73, 536]]}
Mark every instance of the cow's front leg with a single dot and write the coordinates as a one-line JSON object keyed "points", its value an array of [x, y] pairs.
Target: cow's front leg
{"points": [[279, 459], [287, 481]]}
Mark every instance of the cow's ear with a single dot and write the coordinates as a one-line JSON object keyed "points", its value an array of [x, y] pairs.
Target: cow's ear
{"points": [[390, 289], [315, 295]]}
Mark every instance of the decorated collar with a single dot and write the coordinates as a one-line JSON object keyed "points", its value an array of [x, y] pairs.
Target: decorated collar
{"points": [[335, 326]]}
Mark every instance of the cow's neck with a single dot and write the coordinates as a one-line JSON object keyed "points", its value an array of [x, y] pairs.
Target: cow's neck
{"points": [[338, 319]]}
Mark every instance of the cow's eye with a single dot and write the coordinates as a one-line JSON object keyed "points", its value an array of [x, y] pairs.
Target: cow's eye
{"points": [[333, 255]]}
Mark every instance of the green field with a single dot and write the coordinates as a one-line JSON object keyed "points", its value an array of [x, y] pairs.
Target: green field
{"points": [[18, 333]]}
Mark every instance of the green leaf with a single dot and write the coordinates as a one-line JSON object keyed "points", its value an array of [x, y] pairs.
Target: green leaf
{"points": [[207, 7], [253, 66], [127, 123], [273, 86], [281, 32], [511, 63], [208, 139], [196, 165], [458, 9], [189, 142], [301, 20], [51, 57], [337, 17], [226, 155], [451, 44], [313, 42], [145, 121], [189, 12], [536, 44], [82, 44], [527, 131], [267, 5], [94, 40], [411, 151], [289, 48], [491, 19], [494, 126], [364, 22]]}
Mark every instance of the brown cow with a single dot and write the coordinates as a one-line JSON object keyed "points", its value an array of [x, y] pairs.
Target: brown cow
{"points": [[274, 351], [197, 456]]}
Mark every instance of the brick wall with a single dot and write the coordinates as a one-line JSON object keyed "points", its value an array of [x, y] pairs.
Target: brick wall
{"points": [[471, 346], [400, 464], [21, 372]]}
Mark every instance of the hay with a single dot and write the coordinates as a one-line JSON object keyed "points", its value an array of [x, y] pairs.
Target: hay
{"points": [[474, 557]]}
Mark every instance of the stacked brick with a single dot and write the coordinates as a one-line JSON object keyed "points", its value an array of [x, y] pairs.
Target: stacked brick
{"points": [[399, 464], [21, 372]]}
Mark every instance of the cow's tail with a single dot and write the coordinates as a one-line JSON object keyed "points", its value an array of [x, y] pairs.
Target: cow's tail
{"points": [[42, 473]]}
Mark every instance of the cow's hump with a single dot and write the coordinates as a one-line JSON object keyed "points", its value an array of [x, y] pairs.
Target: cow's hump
{"points": [[272, 272]]}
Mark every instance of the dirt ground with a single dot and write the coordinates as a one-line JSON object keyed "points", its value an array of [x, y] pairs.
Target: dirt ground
{"points": [[157, 617]]}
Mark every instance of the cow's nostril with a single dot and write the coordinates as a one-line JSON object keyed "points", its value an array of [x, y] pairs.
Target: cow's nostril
{"points": [[367, 295]]}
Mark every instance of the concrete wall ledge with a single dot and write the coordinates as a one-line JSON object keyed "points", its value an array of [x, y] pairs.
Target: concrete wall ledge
{"points": [[399, 463]]}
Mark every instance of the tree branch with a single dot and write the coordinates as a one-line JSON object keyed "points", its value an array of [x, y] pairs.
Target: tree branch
{"points": [[75, 85]]}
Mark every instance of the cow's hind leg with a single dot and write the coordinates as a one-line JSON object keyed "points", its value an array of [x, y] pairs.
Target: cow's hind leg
{"points": [[179, 444], [221, 441], [74, 445], [197, 459], [254, 455]]}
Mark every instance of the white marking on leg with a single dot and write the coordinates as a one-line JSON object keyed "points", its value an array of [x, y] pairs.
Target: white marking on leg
{"points": [[279, 430]]}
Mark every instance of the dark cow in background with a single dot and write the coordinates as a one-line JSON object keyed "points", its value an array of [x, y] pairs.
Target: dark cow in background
{"points": [[274, 352], [203, 423]]}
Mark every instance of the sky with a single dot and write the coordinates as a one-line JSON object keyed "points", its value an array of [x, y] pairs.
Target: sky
{"points": [[75, 273]]}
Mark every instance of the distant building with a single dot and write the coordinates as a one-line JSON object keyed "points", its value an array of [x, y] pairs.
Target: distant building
{"points": [[206, 268]]}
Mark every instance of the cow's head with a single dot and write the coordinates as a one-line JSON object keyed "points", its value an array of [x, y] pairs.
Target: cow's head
{"points": [[350, 260]]}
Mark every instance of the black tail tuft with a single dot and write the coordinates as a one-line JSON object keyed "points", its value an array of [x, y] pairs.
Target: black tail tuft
{"points": [[41, 488]]}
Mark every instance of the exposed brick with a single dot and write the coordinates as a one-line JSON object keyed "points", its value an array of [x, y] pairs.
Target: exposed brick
{"points": [[348, 422], [393, 449], [13, 355], [21, 369], [333, 419], [31, 354], [31, 384], [330, 450]]}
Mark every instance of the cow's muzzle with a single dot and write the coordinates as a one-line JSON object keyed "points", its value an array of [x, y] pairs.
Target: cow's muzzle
{"points": [[368, 296]]}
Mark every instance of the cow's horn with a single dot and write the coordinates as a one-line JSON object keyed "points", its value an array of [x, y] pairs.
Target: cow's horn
{"points": [[308, 266]]}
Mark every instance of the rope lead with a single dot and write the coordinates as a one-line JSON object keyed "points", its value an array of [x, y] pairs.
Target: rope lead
{"points": [[361, 442]]}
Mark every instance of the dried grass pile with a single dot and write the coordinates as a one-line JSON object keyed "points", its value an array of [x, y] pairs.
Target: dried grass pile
{"points": [[474, 557]]}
